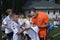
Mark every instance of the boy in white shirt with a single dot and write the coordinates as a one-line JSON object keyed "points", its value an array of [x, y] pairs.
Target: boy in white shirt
{"points": [[7, 24], [21, 20], [32, 31], [3, 29], [21, 23], [17, 31]]}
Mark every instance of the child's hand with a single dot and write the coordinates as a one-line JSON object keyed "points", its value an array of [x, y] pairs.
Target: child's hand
{"points": [[26, 28]]}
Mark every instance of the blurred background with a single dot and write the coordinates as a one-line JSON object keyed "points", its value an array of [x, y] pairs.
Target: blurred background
{"points": [[51, 7]]}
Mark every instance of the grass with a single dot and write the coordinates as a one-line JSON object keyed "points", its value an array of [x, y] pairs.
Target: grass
{"points": [[53, 32]]}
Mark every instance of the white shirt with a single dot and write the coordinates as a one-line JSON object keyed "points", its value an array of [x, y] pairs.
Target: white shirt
{"points": [[27, 24], [15, 28], [3, 22], [20, 21], [33, 31], [8, 21]]}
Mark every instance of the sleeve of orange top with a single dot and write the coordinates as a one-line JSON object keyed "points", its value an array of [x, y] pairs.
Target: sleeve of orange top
{"points": [[46, 19]]}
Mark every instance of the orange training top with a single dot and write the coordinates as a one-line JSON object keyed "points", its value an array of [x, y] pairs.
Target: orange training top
{"points": [[40, 20]]}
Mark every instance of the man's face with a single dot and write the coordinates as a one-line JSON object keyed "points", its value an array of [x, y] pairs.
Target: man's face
{"points": [[15, 18], [33, 14]]}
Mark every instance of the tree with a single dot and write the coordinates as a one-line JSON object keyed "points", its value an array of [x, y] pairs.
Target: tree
{"points": [[17, 4], [14, 4], [57, 1]]}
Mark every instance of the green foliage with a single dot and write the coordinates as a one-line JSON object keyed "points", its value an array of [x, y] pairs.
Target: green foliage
{"points": [[58, 1], [0, 30]]}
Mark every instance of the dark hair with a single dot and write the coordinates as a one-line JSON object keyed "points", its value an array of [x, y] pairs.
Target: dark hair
{"points": [[15, 13], [32, 9], [29, 16]]}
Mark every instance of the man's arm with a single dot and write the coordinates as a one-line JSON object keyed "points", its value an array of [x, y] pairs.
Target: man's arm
{"points": [[46, 25]]}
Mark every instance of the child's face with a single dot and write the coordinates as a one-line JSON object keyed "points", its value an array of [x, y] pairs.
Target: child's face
{"points": [[22, 16], [15, 18], [10, 13], [33, 24]]}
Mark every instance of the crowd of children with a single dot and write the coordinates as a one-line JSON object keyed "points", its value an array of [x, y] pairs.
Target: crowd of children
{"points": [[15, 26]]}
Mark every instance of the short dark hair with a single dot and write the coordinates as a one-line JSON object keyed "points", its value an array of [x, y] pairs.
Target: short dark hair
{"points": [[15, 13], [29, 16], [32, 9]]}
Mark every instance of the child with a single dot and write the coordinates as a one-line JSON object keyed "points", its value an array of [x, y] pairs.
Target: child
{"points": [[21, 23], [7, 24], [32, 31], [21, 20], [51, 26], [3, 30], [16, 28]]}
